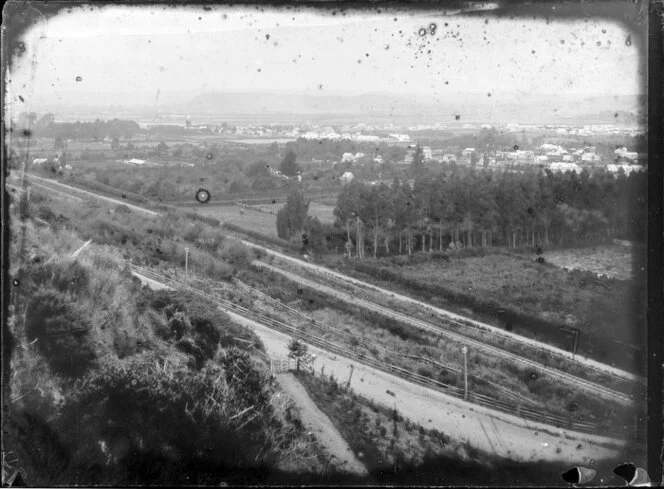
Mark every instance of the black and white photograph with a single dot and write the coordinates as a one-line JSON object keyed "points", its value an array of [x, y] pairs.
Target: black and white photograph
{"points": [[323, 244]]}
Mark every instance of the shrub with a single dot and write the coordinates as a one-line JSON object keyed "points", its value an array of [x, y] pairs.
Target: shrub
{"points": [[425, 372], [236, 254], [122, 209], [61, 331]]}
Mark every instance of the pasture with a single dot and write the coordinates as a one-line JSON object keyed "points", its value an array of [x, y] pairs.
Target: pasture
{"points": [[251, 220], [614, 261]]}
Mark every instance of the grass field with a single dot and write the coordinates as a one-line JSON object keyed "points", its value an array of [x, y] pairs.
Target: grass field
{"points": [[613, 261], [324, 212], [528, 298], [256, 221]]}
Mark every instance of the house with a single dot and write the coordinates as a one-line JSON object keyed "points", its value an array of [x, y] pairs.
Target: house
{"points": [[467, 151], [135, 161], [347, 157], [39, 161], [626, 168], [590, 157], [564, 167], [426, 152], [347, 177]]}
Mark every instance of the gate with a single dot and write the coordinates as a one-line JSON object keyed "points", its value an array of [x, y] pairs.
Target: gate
{"points": [[279, 365]]}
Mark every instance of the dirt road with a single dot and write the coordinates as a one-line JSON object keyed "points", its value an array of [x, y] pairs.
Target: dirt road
{"points": [[490, 431], [317, 422], [594, 388]]}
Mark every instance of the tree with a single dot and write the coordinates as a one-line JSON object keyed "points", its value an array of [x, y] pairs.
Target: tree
{"points": [[292, 216], [162, 149], [115, 144], [289, 166], [417, 165], [298, 351]]}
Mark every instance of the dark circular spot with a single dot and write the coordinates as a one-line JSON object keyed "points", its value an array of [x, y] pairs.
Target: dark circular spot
{"points": [[562, 41], [516, 147], [533, 375], [540, 259], [209, 156], [558, 450], [422, 31], [533, 51], [305, 242], [267, 36], [531, 211], [124, 196], [202, 196], [572, 407], [327, 238], [16, 282], [311, 301], [538, 250], [274, 201], [582, 283], [457, 116], [299, 291], [304, 236], [509, 327], [79, 78]]}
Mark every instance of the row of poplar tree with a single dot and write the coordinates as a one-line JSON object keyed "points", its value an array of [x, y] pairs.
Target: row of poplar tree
{"points": [[466, 207]]}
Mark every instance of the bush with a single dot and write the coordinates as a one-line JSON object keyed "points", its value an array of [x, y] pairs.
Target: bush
{"points": [[122, 209], [236, 254], [61, 332]]}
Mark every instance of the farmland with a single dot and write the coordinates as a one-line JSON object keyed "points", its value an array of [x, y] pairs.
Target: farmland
{"points": [[260, 222], [613, 261], [529, 298], [324, 212]]}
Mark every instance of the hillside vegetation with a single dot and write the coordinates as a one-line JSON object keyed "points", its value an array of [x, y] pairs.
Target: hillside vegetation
{"points": [[113, 383]]}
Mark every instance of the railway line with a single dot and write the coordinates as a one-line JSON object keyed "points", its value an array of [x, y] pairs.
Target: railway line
{"points": [[586, 385], [359, 287], [518, 410]]}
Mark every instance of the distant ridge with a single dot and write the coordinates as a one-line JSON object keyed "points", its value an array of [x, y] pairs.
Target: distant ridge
{"points": [[367, 107]]}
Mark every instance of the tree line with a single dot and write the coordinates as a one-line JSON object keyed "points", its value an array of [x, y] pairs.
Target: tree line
{"points": [[467, 207]]}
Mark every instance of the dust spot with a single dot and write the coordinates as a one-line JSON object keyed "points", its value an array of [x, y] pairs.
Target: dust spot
{"points": [[79, 78]]}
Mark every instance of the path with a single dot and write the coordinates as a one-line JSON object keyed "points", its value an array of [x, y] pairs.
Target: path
{"points": [[317, 422], [499, 433]]}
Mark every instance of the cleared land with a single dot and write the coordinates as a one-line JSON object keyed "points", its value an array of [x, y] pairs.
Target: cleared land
{"points": [[324, 212], [259, 222], [613, 261]]}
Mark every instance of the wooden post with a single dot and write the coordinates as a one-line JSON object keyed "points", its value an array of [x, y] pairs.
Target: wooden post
{"points": [[186, 266], [464, 350]]}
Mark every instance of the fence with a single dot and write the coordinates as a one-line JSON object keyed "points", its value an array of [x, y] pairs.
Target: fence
{"points": [[486, 401]]}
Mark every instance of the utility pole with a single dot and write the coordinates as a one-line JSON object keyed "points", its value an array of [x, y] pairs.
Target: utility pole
{"points": [[350, 376], [186, 266], [464, 350]]}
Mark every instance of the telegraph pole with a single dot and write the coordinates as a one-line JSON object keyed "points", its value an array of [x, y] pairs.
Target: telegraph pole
{"points": [[186, 266], [464, 350]]}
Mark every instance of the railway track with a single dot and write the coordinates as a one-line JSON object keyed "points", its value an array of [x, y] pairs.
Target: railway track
{"points": [[588, 386], [518, 410], [359, 287]]}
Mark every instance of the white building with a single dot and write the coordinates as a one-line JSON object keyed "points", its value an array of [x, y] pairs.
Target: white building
{"points": [[564, 167], [347, 177], [135, 161], [626, 168], [39, 161]]}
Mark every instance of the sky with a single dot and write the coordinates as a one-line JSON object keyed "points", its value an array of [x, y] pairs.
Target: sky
{"points": [[121, 49]]}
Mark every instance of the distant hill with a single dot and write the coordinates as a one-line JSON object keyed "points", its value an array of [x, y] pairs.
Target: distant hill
{"points": [[531, 108], [368, 107]]}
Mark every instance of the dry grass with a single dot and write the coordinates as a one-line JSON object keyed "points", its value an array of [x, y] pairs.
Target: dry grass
{"points": [[256, 221]]}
